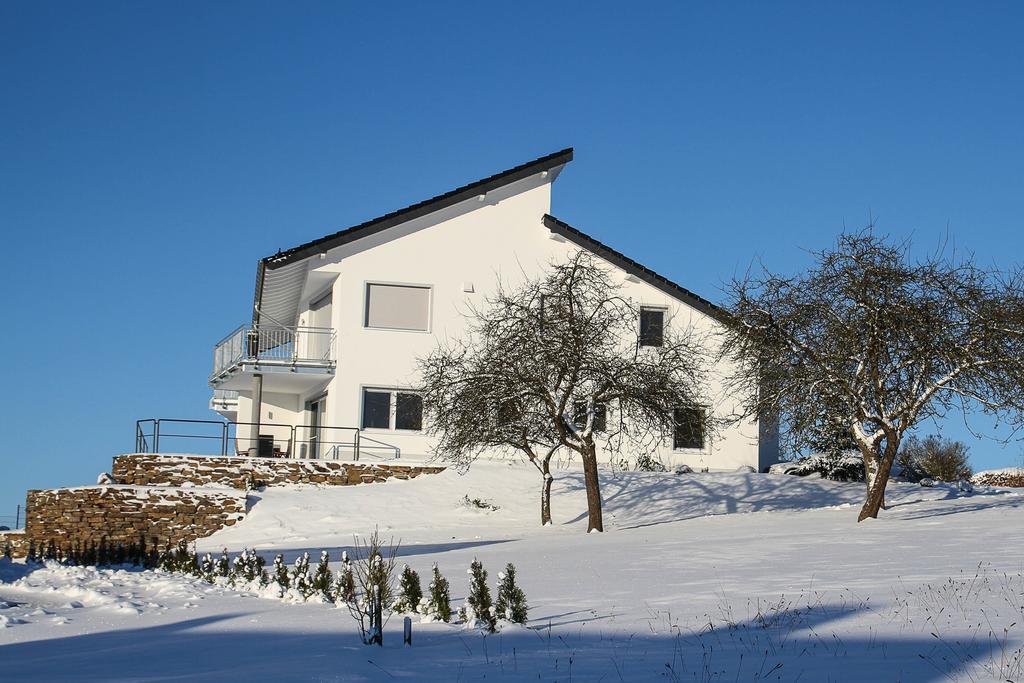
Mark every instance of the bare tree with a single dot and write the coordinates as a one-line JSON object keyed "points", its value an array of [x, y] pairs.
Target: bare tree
{"points": [[557, 362], [476, 405], [870, 342], [373, 572]]}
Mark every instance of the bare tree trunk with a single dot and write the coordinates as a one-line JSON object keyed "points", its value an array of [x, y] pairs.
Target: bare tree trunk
{"points": [[545, 498], [871, 467], [590, 477], [876, 491]]}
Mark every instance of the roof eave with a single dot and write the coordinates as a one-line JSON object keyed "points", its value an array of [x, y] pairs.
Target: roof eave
{"points": [[634, 268]]}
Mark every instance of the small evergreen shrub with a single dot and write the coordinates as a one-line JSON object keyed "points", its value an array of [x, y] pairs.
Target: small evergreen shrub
{"points": [[345, 584], [208, 568], [511, 602], [409, 591], [437, 606], [300, 579], [223, 565], [479, 609], [322, 582], [281, 577]]}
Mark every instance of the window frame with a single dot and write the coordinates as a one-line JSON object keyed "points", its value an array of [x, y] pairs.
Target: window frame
{"points": [[393, 393], [579, 409], [704, 441], [365, 322], [663, 310]]}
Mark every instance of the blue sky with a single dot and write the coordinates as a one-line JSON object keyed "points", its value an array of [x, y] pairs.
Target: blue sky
{"points": [[151, 154]]}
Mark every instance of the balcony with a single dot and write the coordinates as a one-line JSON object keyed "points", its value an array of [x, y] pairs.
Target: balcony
{"points": [[225, 402], [289, 358]]}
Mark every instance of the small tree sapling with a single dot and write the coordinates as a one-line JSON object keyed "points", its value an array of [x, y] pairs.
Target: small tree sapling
{"points": [[479, 610], [409, 591], [437, 604], [511, 602], [321, 582]]}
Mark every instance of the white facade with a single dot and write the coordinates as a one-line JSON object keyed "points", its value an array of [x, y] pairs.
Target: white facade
{"points": [[457, 254]]}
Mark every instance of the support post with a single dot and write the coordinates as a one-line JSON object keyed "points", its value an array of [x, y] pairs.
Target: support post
{"points": [[407, 630], [257, 409]]}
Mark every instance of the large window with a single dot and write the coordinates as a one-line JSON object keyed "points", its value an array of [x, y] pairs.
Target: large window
{"points": [[392, 409], [652, 326], [397, 307], [689, 428], [600, 416]]}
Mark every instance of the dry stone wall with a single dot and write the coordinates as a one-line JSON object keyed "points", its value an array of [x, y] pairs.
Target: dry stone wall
{"points": [[149, 469], [125, 514], [171, 498], [14, 542]]}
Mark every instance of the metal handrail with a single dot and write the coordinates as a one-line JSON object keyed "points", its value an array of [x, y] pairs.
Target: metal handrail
{"points": [[324, 442], [277, 344]]}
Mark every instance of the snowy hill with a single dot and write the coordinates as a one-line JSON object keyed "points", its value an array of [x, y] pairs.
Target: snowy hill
{"points": [[700, 577]]}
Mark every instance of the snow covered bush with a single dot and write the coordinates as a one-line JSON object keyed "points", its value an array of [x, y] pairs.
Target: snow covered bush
{"points": [[437, 606], [478, 610], [249, 567], [300, 579], [345, 583], [322, 582], [281, 577], [179, 560], [479, 504], [410, 593], [837, 467], [683, 469], [511, 602], [223, 568], [648, 463], [207, 568]]}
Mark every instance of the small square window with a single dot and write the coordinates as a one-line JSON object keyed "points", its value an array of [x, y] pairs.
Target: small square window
{"points": [[652, 327], [600, 416], [689, 428]]}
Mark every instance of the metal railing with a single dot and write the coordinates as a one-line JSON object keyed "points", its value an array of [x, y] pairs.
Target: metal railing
{"points": [[275, 344], [224, 437]]}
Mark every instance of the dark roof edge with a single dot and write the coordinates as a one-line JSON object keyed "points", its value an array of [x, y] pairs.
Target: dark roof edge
{"points": [[633, 268], [423, 208]]}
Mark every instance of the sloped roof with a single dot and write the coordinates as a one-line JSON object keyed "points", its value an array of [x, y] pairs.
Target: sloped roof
{"points": [[423, 208], [633, 267], [284, 273]]}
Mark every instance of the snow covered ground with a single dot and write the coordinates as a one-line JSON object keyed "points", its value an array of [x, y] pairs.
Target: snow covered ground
{"points": [[702, 577]]}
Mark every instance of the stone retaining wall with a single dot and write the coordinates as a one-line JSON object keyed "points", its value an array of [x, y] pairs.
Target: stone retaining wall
{"points": [[148, 469], [16, 541], [124, 514]]}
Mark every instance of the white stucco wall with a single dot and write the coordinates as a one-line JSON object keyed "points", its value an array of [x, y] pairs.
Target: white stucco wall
{"points": [[474, 243]]}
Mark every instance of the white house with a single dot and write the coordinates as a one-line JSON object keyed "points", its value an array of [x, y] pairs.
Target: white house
{"points": [[326, 367]]}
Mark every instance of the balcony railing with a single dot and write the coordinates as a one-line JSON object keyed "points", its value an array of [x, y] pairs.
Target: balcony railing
{"points": [[217, 437], [275, 345]]}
